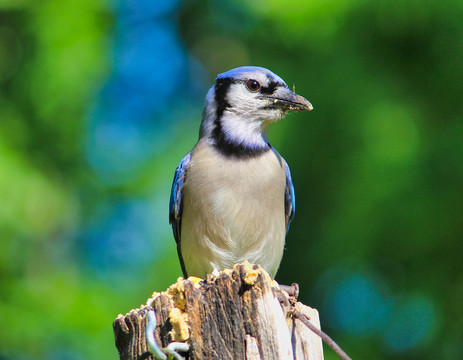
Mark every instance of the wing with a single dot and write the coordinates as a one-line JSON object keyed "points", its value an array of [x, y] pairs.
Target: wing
{"points": [[290, 199], [176, 204]]}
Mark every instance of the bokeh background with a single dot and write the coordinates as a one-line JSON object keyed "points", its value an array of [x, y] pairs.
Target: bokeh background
{"points": [[100, 99]]}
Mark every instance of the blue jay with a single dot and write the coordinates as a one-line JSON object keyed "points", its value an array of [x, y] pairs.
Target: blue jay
{"points": [[232, 196]]}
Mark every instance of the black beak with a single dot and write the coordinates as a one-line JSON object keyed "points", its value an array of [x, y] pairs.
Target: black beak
{"points": [[289, 101]]}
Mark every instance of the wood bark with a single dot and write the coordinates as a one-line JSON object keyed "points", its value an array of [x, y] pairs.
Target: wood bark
{"points": [[239, 313]]}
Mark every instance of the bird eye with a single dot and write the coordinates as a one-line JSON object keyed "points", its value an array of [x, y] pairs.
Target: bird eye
{"points": [[253, 85]]}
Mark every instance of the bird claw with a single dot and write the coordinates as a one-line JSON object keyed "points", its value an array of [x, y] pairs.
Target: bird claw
{"points": [[173, 348], [292, 290], [168, 352]]}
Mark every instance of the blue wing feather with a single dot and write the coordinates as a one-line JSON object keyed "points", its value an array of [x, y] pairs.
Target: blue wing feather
{"points": [[176, 204], [290, 198]]}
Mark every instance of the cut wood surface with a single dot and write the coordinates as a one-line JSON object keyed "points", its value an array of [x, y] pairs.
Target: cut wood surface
{"points": [[238, 313]]}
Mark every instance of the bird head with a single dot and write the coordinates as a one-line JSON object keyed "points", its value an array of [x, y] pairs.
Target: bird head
{"points": [[244, 101]]}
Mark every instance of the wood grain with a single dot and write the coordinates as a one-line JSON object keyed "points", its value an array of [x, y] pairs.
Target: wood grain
{"points": [[239, 313]]}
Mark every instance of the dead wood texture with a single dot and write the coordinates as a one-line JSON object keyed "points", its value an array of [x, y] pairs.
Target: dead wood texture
{"points": [[235, 314]]}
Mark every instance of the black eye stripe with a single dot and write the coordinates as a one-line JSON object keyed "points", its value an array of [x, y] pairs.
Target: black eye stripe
{"points": [[270, 89], [267, 90]]}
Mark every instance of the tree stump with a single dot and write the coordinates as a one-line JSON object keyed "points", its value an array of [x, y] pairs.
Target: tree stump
{"points": [[235, 314]]}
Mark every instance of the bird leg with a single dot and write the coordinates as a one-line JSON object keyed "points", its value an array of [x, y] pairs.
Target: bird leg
{"points": [[171, 350]]}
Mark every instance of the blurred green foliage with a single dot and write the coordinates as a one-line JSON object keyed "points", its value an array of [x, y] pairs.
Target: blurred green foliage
{"points": [[377, 167]]}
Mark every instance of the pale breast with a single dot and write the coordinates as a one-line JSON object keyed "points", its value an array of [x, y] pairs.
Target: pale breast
{"points": [[233, 211]]}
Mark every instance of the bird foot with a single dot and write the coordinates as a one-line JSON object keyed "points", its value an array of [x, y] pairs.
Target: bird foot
{"points": [[168, 352]]}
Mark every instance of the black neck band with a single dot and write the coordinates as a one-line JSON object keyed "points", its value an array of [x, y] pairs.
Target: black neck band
{"points": [[226, 146]]}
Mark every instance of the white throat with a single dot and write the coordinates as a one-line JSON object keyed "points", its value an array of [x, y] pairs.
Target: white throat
{"points": [[243, 131]]}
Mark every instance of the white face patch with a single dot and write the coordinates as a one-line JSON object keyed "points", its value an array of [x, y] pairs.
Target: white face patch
{"points": [[245, 114]]}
